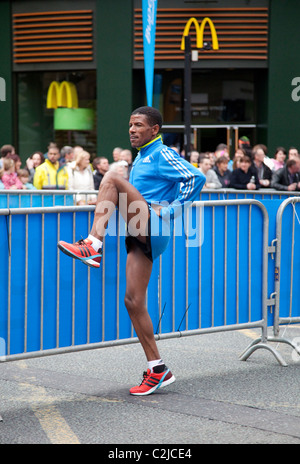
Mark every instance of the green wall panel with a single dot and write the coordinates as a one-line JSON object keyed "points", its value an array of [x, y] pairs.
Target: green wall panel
{"points": [[114, 74], [284, 52], [6, 107]]}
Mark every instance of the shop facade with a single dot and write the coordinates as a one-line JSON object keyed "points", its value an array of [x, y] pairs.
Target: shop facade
{"points": [[248, 86]]}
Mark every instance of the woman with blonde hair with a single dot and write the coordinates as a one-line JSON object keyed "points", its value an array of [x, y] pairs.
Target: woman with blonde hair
{"points": [[81, 178]]}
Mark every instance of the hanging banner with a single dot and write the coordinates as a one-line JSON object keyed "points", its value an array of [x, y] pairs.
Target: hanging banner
{"points": [[149, 25]]}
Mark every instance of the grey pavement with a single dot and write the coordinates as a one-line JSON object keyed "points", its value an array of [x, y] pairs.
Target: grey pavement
{"points": [[82, 397]]}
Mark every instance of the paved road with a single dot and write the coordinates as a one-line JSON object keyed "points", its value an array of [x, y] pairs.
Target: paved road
{"points": [[83, 397]]}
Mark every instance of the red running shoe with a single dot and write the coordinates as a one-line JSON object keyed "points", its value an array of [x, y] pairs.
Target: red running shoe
{"points": [[153, 380], [82, 250]]}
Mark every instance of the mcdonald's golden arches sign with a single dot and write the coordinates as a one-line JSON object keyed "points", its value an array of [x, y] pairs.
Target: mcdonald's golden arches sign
{"points": [[62, 94], [200, 32]]}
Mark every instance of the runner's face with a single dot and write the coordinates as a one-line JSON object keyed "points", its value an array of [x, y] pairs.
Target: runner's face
{"points": [[140, 131]]}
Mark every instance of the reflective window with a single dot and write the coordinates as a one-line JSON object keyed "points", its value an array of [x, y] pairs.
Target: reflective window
{"points": [[36, 121]]}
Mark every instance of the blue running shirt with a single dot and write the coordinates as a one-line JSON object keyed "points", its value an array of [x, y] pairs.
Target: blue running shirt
{"points": [[161, 175]]}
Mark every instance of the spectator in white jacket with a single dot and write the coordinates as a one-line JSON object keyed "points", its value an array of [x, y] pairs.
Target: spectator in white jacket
{"points": [[81, 178]]}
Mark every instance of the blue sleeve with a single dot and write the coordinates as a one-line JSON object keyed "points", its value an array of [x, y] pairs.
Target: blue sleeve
{"points": [[173, 167]]}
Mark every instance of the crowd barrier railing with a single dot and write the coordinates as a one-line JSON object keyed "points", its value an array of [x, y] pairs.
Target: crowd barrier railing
{"points": [[213, 277], [36, 198], [287, 271], [46, 198]]}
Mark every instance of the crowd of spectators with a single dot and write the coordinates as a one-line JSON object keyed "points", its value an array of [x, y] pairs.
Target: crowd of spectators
{"points": [[69, 168], [250, 169], [72, 168]]}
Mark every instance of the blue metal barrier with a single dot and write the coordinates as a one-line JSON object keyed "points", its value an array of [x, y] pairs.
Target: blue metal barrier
{"points": [[285, 249], [288, 264], [35, 198], [46, 198], [217, 274], [52, 303], [287, 270]]}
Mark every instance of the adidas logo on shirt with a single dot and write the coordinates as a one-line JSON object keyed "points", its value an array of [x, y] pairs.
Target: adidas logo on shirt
{"points": [[147, 159]]}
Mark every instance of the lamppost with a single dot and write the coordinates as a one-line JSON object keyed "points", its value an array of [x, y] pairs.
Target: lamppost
{"points": [[188, 58], [186, 46], [187, 96]]}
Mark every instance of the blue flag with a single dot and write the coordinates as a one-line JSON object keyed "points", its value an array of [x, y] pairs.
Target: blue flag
{"points": [[149, 25]]}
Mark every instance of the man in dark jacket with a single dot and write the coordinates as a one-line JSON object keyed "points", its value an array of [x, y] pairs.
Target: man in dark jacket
{"points": [[245, 177], [287, 178], [101, 166]]}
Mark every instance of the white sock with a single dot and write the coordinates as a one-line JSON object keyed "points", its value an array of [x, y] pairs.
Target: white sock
{"points": [[156, 362], [96, 243]]}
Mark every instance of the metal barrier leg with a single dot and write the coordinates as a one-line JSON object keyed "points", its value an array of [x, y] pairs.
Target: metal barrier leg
{"points": [[286, 270], [254, 342], [257, 344], [287, 341]]}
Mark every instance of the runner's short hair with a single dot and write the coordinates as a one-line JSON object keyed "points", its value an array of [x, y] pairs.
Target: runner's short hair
{"points": [[153, 115]]}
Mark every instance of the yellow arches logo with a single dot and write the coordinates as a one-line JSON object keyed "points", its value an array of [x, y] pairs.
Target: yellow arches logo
{"points": [[62, 94], [200, 33]]}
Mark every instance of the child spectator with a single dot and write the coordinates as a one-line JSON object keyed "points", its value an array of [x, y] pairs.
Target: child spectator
{"points": [[23, 175], [9, 177]]}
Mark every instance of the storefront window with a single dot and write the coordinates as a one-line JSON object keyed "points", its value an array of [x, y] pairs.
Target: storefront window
{"points": [[218, 96], [36, 121], [221, 96]]}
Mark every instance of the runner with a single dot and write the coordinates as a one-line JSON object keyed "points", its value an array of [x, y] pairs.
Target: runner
{"points": [[160, 184]]}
